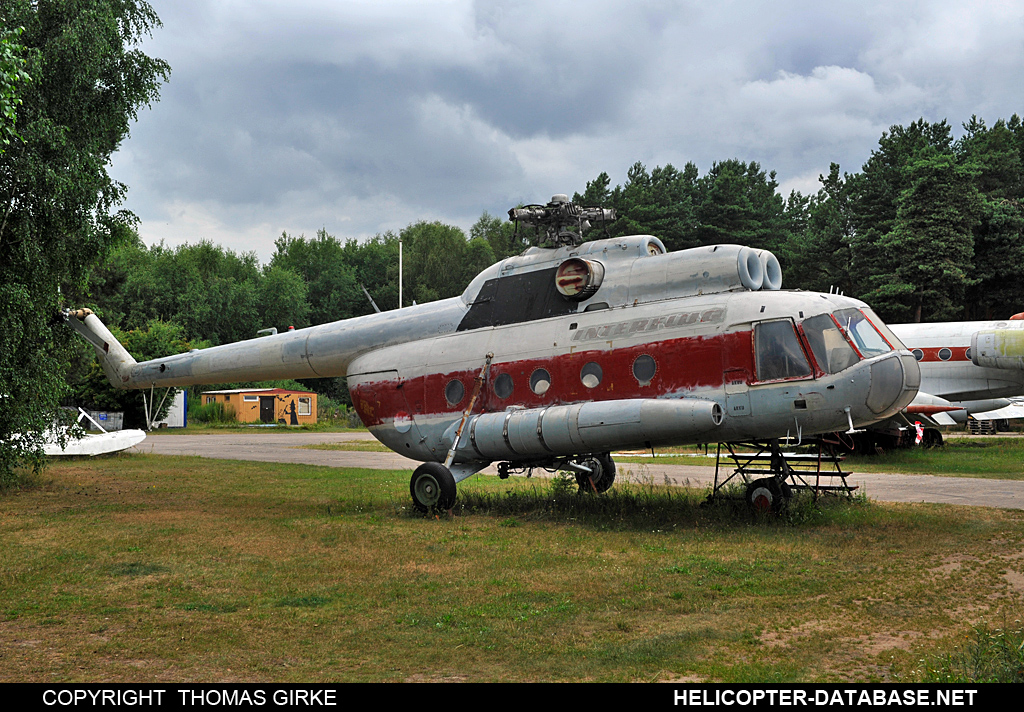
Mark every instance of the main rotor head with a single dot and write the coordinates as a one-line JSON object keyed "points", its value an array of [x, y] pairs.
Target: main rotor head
{"points": [[558, 219]]}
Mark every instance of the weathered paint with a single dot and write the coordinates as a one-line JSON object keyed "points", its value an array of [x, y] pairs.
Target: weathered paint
{"points": [[671, 327]]}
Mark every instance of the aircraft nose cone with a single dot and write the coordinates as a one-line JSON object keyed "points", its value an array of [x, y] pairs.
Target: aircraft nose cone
{"points": [[894, 383]]}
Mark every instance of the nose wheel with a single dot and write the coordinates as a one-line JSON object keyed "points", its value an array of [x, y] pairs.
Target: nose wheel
{"points": [[768, 496], [432, 487]]}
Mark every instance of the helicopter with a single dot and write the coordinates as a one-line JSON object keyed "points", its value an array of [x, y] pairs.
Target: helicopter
{"points": [[558, 356]]}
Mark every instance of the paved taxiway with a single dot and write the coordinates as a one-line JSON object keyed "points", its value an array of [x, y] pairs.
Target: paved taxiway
{"points": [[287, 447]]}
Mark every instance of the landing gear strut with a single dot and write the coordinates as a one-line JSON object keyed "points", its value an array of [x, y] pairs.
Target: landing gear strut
{"points": [[432, 487]]}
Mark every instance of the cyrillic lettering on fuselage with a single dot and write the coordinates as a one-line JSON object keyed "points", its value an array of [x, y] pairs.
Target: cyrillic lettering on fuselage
{"points": [[621, 329]]}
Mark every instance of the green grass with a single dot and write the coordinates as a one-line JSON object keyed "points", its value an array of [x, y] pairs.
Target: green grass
{"points": [[350, 446], [984, 654], [143, 567], [990, 457]]}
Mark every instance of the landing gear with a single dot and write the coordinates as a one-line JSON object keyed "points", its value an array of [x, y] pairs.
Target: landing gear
{"points": [[601, 475], [432, 487], [932, 438], [768, 496]]}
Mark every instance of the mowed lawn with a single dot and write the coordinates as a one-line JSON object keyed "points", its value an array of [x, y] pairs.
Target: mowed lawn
{"points": [[988, 457], [150, 568]]}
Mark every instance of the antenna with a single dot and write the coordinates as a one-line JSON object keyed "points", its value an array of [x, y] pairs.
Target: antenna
{"points": [[375, 307]]}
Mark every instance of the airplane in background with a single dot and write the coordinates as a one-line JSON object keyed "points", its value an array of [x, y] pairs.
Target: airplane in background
{"points": [[968, 368], [555, 357], [83, 444]]}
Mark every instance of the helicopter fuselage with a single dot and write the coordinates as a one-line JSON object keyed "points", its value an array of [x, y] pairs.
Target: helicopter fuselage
{"points": [[575, 350]]}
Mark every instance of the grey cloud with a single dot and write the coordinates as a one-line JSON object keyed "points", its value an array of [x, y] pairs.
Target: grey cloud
{"points": [[364, 116]]}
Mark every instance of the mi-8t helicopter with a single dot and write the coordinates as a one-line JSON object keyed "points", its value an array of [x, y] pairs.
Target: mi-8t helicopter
{"points": [[572, 349]]}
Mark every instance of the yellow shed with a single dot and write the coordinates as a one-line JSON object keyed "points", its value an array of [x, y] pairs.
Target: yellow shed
{"points": [[267, 405]]}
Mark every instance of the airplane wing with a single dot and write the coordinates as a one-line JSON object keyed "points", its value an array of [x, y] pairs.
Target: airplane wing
{"points": [[1014, 410], [942, 419], [926, 407]]}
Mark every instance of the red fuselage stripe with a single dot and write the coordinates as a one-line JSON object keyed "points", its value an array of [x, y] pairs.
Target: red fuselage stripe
{"points": [[683, 365], [957, 354]]}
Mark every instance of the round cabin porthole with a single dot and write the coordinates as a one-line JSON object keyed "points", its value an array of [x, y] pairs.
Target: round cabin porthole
{"points": [[918, 354], [644, 369], [591, 375], [503, 386], [945, 354], [540, 381], [454, 392], [967, 354]]}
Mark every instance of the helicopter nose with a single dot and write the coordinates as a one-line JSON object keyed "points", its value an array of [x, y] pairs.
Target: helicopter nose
{"points": [[894, 383]]}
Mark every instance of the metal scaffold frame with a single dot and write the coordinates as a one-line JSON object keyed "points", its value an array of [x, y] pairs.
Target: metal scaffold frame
{"points": [[765, 461]]}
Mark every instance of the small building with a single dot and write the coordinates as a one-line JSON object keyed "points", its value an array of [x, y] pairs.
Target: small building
{"points": [[177, 414], [267, 405]]}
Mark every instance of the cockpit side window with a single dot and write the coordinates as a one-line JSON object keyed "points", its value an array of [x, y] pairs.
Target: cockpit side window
{"points": [[868, 340], [777, 352], [831, 350]]}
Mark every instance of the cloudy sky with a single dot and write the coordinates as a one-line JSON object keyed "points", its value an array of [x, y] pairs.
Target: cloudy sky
{"points": [[361, 117]]}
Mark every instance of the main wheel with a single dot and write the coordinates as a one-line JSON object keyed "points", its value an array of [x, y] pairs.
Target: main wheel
{"points": [[932, 438], [602, 474], [432, 487], [765, 496]]}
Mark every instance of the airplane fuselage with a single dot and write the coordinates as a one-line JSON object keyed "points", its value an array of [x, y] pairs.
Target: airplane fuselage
{"points": [[949, 370]]}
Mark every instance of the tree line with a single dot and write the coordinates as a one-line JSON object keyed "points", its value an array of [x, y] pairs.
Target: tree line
{"points": [[931, 227]]}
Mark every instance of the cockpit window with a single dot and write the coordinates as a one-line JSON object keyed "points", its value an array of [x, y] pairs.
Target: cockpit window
{"points": [[777, 352], [862, 333], [831, 350], [884, 330]]}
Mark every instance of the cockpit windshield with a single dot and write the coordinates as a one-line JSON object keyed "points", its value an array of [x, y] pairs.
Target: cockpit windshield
{"points": [[830, 348], [837, 341], [862, 333]]}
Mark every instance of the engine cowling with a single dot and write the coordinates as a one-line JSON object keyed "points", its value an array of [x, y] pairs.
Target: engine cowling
{"points": [[998, 348]]}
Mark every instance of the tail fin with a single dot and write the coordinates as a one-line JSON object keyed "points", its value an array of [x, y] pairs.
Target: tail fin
{"points": [[116, 361]]}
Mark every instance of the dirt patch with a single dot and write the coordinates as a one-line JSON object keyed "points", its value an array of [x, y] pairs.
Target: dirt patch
{"points": [[1016, 580], [436, 678], [951, 563], [876, 643], [785, 638]]}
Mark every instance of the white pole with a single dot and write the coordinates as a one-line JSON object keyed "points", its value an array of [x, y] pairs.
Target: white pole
{"points": [[399, 274]]}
